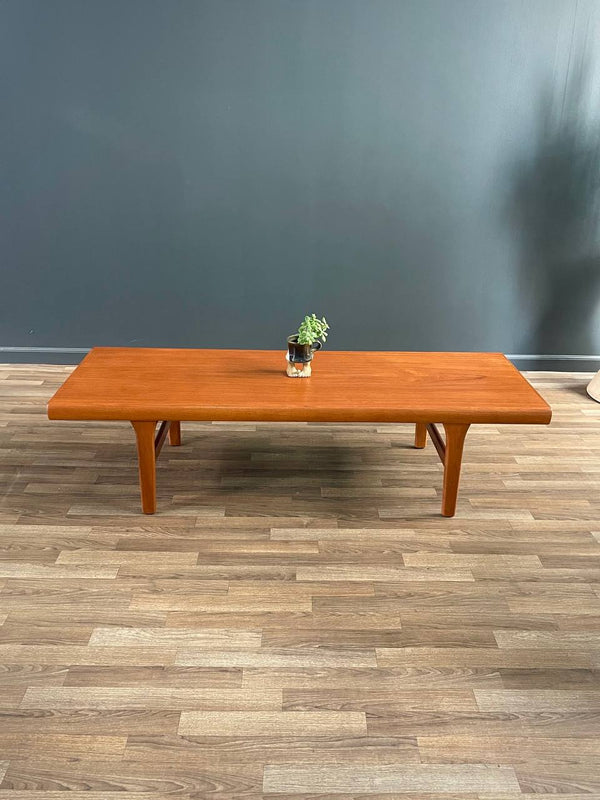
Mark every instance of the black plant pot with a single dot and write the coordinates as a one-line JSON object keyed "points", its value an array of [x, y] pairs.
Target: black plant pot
{"points": [[301, 353]]}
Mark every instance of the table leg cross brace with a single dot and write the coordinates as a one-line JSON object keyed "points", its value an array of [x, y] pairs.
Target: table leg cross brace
{"points": [[161, 435], [148, 447], [450, 453]]}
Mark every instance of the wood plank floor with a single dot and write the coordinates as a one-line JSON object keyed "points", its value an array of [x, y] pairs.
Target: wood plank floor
{"points": [[298, 620]]}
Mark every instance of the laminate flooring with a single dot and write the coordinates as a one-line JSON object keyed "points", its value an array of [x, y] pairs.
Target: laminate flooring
{"points": [[298, 620]]}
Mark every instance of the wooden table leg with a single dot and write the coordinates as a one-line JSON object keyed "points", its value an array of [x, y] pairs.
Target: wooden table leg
{"points": [[144, 433], [420, 435], [455, 439], [175, 434]]}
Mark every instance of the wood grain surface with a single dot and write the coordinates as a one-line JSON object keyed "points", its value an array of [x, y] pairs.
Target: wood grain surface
{"points": [[140, 383], [294, 622]]}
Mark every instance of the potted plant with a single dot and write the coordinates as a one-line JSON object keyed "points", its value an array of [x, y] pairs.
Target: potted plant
{"points": [[312, 332]]}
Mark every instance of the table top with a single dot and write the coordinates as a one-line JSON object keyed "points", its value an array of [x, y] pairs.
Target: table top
{"points": [[130, 383]]}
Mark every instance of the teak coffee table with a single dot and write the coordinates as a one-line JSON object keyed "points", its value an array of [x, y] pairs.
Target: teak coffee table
{"points": [[151, 387]]}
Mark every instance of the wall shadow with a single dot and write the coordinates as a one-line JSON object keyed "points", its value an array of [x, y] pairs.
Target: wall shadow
{"points": [[555, 209]]}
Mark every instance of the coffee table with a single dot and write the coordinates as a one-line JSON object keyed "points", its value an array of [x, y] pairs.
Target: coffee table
{"points": [[156, 386]]}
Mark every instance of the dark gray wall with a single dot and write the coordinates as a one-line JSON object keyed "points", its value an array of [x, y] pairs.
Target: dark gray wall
{"points": [[204, 172]]}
